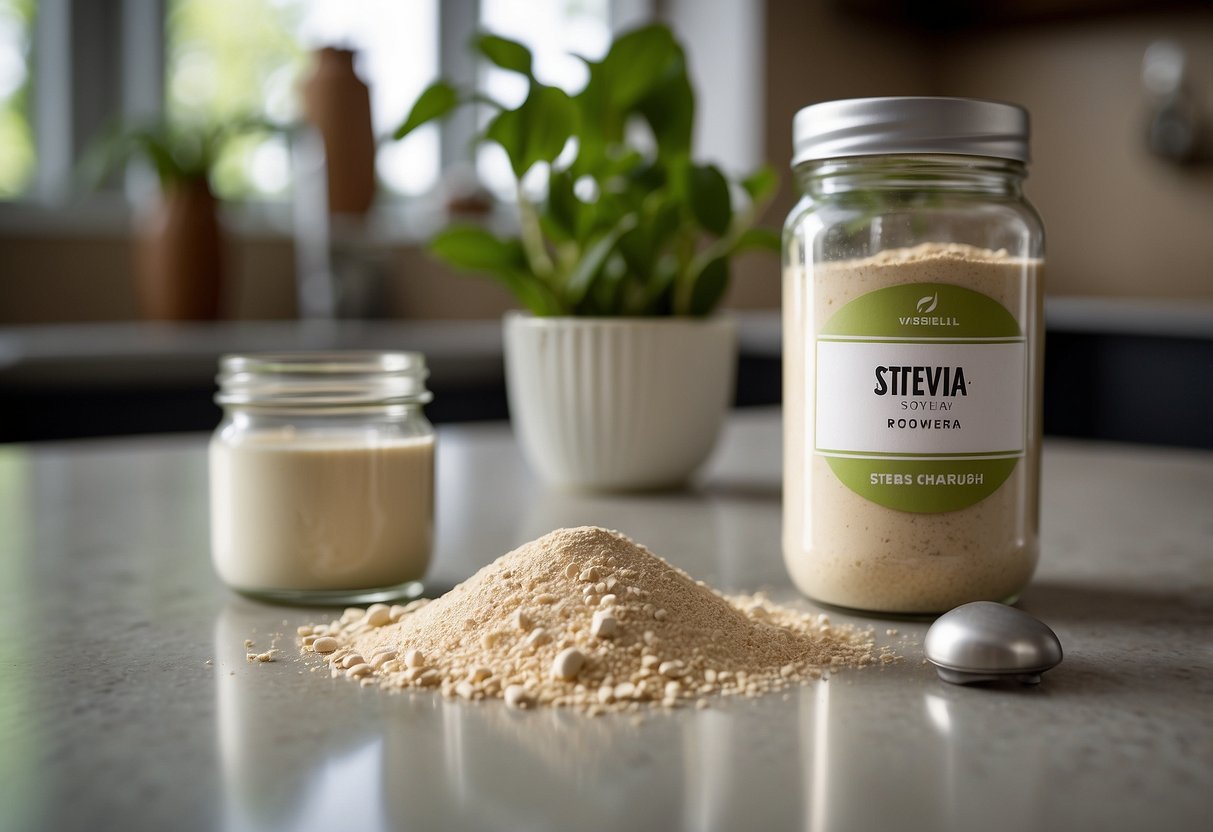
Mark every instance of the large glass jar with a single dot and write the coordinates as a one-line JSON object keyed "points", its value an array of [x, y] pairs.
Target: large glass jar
{"points": [[322, 476], [912, 310]]}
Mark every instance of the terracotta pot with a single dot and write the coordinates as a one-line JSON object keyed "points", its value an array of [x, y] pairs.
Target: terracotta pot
{"points": [[338, 105], [179, 253]]}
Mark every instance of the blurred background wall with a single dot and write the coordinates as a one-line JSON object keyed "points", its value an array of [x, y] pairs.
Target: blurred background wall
{"points": [[1122, 221], [1122, 174]]}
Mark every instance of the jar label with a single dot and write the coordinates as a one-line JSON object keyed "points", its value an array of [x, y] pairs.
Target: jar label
{"points": [[921, 396]]}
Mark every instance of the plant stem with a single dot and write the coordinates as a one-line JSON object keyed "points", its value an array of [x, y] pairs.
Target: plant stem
{"points": [[532, 238], [683, 282], [724, 245]]}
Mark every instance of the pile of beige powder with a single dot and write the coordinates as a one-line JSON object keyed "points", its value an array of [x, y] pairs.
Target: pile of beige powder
{"points": [[585, 618]]}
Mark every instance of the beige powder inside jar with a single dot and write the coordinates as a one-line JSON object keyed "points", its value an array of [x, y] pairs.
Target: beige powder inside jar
{"points": [[321, 512], [841, 548]]}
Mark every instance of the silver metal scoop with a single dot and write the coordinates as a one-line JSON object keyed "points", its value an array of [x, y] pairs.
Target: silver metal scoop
{"points": [[987, 642]]}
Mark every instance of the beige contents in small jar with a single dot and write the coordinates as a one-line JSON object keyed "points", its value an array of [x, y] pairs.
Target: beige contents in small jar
{"points": [[843, 549], [321, 512]]}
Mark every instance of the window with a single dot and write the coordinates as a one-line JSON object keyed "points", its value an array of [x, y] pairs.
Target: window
{"points": [[16, 136], [209, 61], [217, 71], [398, 46]]}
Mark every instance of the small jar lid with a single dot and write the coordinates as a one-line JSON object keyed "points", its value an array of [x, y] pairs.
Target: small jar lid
{"points": [[323, 379], [908, 125]]}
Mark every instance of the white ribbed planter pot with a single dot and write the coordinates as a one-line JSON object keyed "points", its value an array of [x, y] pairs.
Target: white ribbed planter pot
{"points": [[618, 403]]}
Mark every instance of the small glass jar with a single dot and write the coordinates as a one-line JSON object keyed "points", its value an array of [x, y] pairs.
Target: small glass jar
{"points": [[322, 476], [912, 300]]}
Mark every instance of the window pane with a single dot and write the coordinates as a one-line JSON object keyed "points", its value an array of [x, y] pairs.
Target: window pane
{"points": [[231, 58], [397, 44], [16, 134], [228, 58], [554, 30]]}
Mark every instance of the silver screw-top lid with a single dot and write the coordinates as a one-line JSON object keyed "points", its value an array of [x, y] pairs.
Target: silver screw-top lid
{"points": [[909, 125]]}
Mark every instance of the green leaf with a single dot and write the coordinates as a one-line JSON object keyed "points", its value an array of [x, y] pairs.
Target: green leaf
{"points": [[710, 200], [157, 146], [669, 108], [554, 231], [621, 161], [508, 129], [636, 61], [552, 119], [590, 265], [625, 82], [563, 207], [471, 247], [761, 183], [678, 174], [600, 125], [505, 53], [757, 238], [649, 177], [644, 244], [438, 99], [531, 292], [604, 297], [656, 297], [178, 151], [537, 130], [474, 249], [665, 224], [709, 286]]}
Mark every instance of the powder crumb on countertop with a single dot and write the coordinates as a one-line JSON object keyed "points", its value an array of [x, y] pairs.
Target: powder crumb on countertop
{"points": [[585, 618], [261, 656]]}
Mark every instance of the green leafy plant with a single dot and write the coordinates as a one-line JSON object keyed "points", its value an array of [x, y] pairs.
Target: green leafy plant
{"points": [[626, 226], [178, 152]]}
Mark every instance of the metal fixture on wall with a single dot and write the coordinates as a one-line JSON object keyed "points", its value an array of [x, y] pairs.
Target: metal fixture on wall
{"points": [[1178, 128]]}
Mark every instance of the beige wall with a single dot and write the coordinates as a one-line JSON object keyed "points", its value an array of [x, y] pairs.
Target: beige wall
{"points": [[88, 278], [1119, 221], [64, 278]]}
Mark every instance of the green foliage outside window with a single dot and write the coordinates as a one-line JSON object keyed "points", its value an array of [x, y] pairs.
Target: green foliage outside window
{"points": [[17, 154], [228, 60]]}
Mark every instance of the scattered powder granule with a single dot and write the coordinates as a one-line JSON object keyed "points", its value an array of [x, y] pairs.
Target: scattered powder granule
{"points": [[534, 629]]}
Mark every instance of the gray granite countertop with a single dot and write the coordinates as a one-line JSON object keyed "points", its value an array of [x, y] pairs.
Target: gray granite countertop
{"points": [[111, 716]]}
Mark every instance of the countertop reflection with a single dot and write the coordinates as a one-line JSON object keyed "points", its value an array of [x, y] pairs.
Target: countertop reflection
{"points": [[126, 701]]}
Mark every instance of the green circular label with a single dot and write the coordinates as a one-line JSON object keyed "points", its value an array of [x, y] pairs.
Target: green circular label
{"points": [[921, 396], [923, 485]]}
